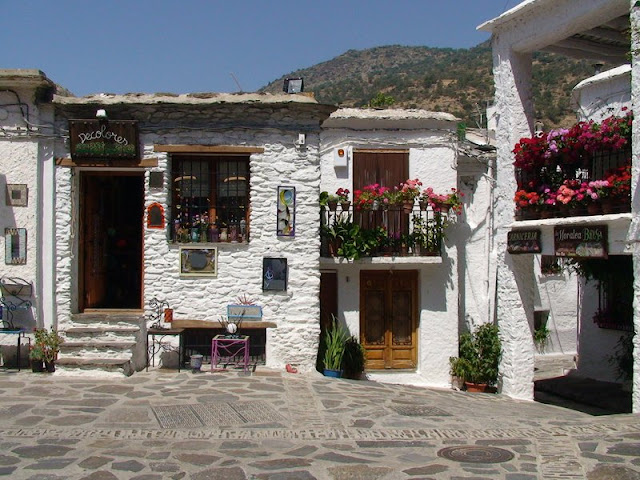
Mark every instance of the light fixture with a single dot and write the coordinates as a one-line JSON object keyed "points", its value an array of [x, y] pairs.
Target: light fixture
{"points": [[293, 85], [101, 113]]}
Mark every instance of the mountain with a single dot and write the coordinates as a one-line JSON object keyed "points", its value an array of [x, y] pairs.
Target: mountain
{"points": [[457, 81]]}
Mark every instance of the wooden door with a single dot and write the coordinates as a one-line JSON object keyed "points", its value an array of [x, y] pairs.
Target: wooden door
{"points": [[388, 318], [387, 168], [111, 213], [328, 298]]}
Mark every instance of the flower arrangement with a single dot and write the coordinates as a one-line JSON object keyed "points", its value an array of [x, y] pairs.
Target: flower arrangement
{"points": [[410, 190], [552, 168], [369, 195], [438, 202], [342, 195]]}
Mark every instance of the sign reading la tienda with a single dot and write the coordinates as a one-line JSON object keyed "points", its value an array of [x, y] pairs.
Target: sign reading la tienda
{"points": [[580, 241], [103, 139]]}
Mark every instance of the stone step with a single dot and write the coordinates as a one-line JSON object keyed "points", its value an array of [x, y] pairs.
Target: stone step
{"points": [[119, 345], [95, 329], [104, 319], [78, 365]]}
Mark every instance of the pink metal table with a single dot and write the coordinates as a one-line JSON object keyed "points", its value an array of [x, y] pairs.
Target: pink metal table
{"points": [[234, 351]]}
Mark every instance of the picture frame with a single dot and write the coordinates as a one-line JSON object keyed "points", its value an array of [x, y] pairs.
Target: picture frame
{"points": [[274, 274], [17, 195], [286, 211], [198, 261], [15, 246]]}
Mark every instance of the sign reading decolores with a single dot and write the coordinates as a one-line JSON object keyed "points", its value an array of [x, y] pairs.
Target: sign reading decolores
{"points": [[104, 138], [580, 241], [524, 241]]}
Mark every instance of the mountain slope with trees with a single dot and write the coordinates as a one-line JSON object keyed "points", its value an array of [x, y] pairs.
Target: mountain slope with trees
{"points": [[457, 81]]}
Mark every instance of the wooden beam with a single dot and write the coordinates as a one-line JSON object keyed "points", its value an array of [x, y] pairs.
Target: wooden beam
{"points": [[210, 324], [220, 149], [110, 163]]}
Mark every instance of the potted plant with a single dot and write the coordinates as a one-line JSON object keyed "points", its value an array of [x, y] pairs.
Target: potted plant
{"points": [[46, 345], [334, 343], [354, 359], [479, 356], [36, 357], [541, 337]]}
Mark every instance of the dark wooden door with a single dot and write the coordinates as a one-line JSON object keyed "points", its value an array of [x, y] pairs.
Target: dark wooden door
{"points": [[111, 212], [388, 318], [328, 298], [388, 168]]}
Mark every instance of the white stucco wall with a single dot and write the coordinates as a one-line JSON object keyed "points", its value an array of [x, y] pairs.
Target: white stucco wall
{"points": [[603, 95], [19, 157]]}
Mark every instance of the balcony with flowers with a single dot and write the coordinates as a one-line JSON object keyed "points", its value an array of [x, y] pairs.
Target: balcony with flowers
{"points": [[584, 170], [403, 221]]}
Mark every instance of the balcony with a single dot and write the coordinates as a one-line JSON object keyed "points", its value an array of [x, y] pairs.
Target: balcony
{"points": [[393, 232]]}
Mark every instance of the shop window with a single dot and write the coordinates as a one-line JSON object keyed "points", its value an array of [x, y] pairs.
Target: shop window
{"points": [[210, 198], [615, 294]]}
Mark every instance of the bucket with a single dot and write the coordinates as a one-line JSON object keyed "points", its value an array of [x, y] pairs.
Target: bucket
{"points": [[196, 362]]}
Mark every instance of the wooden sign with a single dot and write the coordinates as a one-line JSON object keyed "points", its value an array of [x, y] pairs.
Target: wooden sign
{"points": [[524, 241], [104, 138], [580, 241]]}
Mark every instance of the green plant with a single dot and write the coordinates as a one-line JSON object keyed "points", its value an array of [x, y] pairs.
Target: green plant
{"points": [[324, 199], [541, 337], [334, 342], [47, 343], [381, 100], [479, 356], [354, 358], [36, 353]]}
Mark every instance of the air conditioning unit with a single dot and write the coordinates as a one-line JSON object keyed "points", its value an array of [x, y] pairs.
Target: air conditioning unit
{"points": [[341, 156]]}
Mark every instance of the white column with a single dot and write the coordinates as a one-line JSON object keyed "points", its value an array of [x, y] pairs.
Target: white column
{"points": [[634, 232], [514, 274]]}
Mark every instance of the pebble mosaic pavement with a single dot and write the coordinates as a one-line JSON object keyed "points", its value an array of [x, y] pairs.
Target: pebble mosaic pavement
{"points": [[279, 426]]}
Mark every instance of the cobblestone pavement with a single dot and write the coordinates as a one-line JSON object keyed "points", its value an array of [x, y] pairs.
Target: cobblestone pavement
{"points": [[275, 425]]}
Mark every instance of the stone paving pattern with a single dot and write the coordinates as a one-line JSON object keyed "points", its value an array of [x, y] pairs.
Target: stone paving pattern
{"points": [[273, 425]]}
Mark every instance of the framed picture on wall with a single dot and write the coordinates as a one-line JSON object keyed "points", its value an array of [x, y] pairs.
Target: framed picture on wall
{"points": [[274, 274], [286, 211], [198, 262], [17, 195], [15, 246]]}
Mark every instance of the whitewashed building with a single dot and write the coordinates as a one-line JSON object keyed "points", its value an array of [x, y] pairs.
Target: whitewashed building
{"points": [[407, 308], [593, 29]]}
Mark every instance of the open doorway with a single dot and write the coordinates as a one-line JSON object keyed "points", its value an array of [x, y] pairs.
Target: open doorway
{"points": [[111, 208]]}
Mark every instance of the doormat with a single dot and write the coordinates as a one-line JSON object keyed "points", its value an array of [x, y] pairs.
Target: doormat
{"points": [[476, 454], [419, 411], [215, 414]]}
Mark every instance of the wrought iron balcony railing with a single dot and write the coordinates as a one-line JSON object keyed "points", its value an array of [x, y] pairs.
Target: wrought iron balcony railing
{"points": [[392, 231]]}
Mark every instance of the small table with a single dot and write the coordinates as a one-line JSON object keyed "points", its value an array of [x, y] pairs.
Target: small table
{"points": [[20, 335], [231, 348], [161, 332]]}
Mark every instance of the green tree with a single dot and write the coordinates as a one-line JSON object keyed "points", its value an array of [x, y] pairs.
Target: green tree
{"points": [[381, 101]]}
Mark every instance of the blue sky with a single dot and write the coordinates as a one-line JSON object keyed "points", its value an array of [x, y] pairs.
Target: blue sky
{"points": [[199, 46]]}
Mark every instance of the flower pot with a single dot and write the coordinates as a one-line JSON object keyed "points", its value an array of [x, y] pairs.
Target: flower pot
{"points": [[608, 206], [332, 373], [407, 207], [594, 208], [477, 387], [195, 362], [423, 205], [345, 206], [37, 366], [50, 366], [333, 206]]}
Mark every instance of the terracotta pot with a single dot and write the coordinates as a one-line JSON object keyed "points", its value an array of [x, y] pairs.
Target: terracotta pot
{"points": [[333, 206], [477, 387], [345, 205]]}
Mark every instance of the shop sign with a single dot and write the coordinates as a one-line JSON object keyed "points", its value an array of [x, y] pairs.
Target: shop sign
{"points": [[524, 241], [103, 138], [580, 241]]}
